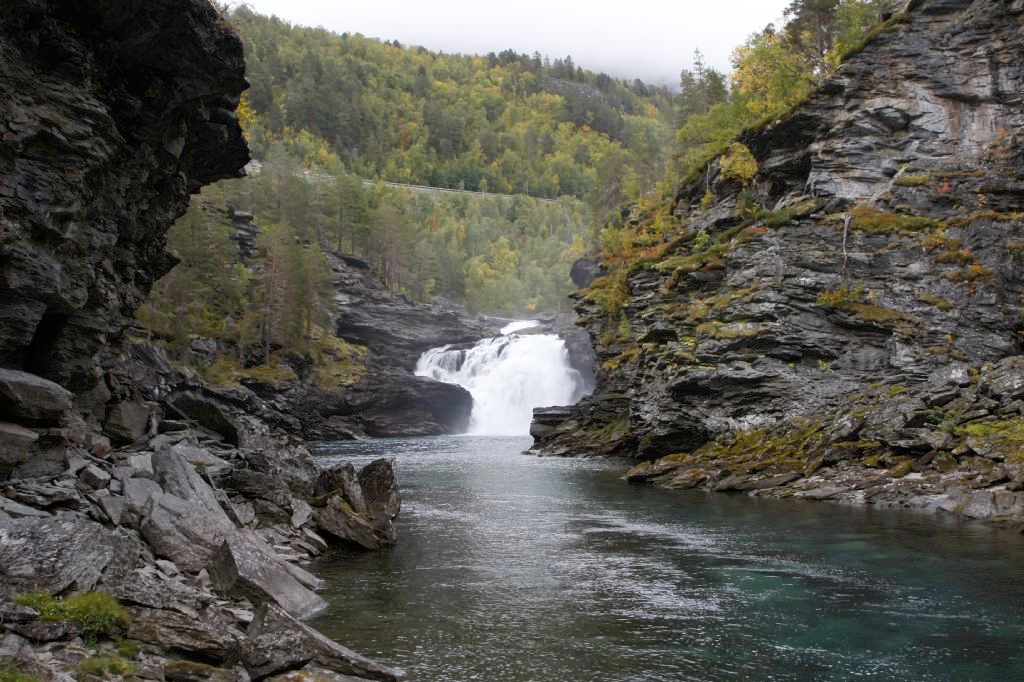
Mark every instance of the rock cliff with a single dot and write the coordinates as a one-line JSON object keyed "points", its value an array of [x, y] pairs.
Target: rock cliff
{"points": [[848, 325], [119, 473]]}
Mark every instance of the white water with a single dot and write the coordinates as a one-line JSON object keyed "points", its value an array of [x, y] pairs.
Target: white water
{"points": [[518, 326], [507, 376]]}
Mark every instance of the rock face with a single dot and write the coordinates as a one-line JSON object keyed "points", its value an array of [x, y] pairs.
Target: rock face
{"points": [[107, 128], [118, 473], [875, 256], [392, 326]]}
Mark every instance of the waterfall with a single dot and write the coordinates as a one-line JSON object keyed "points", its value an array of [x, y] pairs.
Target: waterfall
{"points": [[507, 376]]}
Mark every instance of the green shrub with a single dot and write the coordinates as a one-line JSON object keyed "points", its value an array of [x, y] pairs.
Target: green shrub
{"points": [[95, 613]]}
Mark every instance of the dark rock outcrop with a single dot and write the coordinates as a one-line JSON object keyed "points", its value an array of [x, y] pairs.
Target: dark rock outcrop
{"points": [[109, 122], [394, 328], [877, 247]]}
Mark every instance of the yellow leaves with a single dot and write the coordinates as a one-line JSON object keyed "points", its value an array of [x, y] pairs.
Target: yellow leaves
{"points": [[246, 116], [739, 164], [769, 75]]}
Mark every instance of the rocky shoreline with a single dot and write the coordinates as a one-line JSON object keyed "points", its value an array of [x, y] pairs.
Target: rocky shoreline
{"points": [[151, 527], [199, 527], [846, 325]]}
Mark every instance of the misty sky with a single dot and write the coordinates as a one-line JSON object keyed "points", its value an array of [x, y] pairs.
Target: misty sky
{"points": [[647, 39]]}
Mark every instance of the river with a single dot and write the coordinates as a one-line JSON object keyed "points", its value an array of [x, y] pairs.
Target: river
{"points": [[512, 568]]}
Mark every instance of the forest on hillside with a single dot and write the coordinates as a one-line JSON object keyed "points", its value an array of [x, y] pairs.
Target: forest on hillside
{"points": [[330, 116]]}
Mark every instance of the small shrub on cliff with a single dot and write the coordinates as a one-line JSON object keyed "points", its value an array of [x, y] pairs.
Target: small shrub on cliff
{"points": [[739, 164]]}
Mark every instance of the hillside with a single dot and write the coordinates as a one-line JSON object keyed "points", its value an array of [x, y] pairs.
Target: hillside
{"points": [[506, 123]]}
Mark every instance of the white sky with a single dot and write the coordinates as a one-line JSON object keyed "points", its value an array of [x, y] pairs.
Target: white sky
{"points": [[648, 39]]}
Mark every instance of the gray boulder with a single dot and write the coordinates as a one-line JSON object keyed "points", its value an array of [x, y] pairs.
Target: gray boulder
{"points": [[29, 399], [126, 422], [383, 501], [338, 519], [183, 531], [246, 566], [178, 477], [209, 413], [211, 634], [52, 554]]}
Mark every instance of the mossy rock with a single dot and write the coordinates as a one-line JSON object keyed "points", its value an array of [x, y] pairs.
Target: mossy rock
{"points": [[902, 469]]}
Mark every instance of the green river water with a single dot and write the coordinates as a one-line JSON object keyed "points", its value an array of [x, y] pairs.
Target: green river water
{"points": [[513, 567]]}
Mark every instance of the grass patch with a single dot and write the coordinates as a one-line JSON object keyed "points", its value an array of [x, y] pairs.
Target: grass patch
{"points": [[973, 273], [95, 613], [103, 665], [847, 300], [732, 330], [12, 674], [868, 219], [630, 356], [790, 213], [1006, 436], [939, 302], [912, 180], [336, 363], [879, 29]]}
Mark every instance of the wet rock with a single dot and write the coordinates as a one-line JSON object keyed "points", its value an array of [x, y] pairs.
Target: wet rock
{"points": [[647, 470], [246, 566], [276, 642], [32, 400]]}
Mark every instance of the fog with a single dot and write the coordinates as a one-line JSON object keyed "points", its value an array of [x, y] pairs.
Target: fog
{"points": [[647, 39]]}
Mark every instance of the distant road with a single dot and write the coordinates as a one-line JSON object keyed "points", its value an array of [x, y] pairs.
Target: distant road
{"points": [[428, 188], [254, 167]]}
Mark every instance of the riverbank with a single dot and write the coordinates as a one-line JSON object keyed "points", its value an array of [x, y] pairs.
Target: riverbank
{"points": [[199, 527]]}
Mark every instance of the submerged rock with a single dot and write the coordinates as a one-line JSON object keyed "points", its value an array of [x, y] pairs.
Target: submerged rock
{"points": [[276, 642], [359, 510]]}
